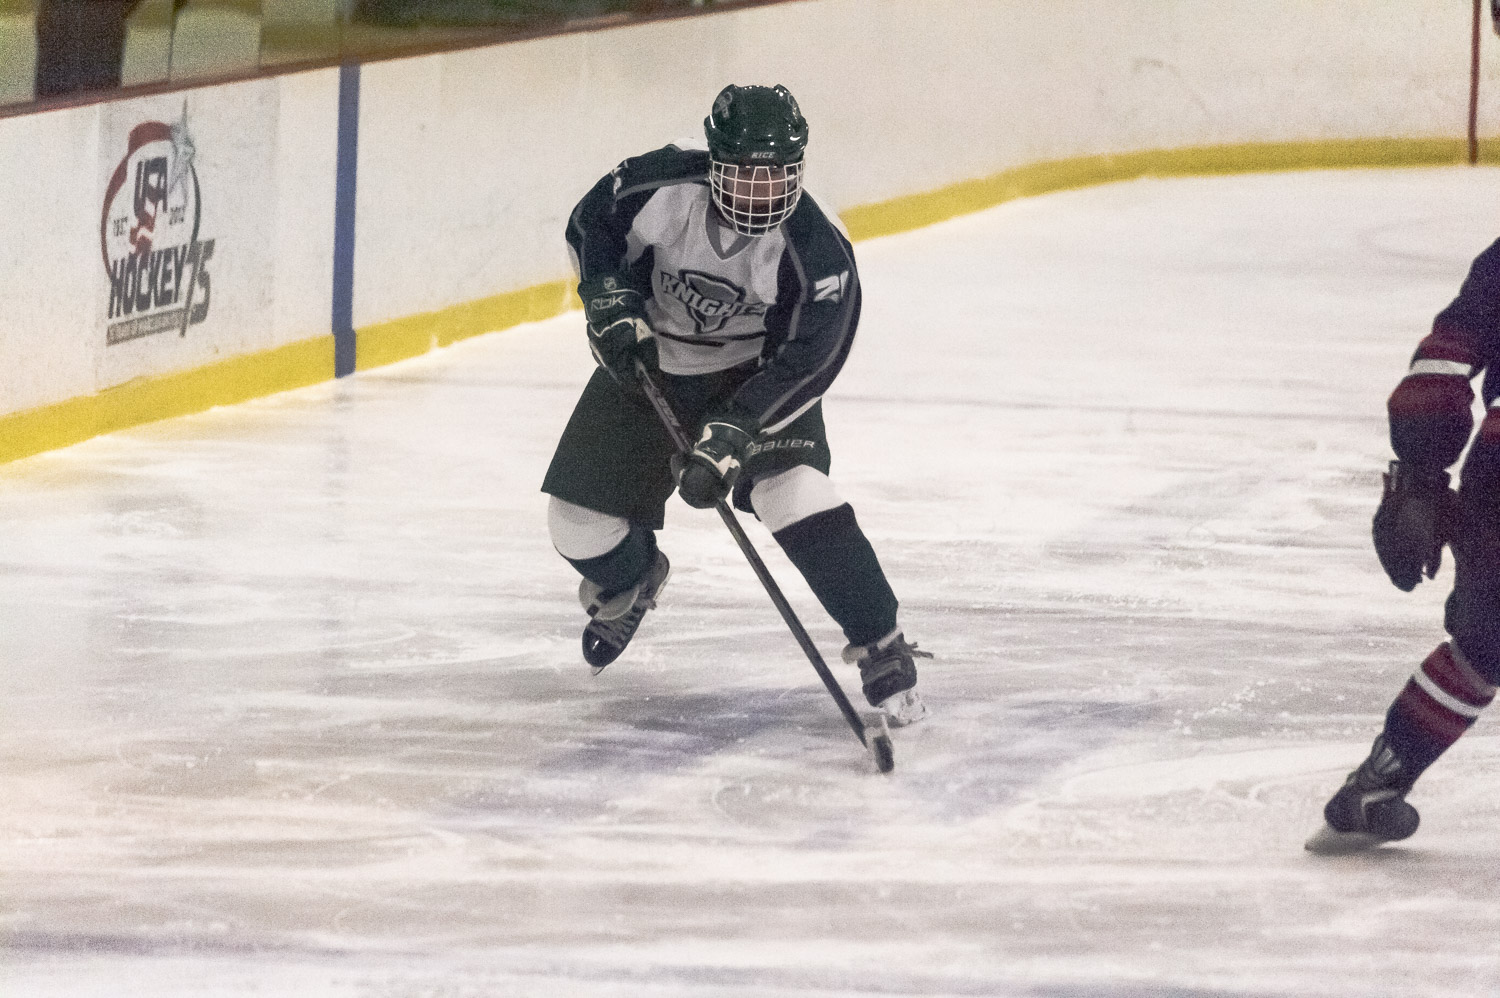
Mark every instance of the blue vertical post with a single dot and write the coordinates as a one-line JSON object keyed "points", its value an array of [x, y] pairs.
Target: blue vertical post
{"points": [[345, 172]]}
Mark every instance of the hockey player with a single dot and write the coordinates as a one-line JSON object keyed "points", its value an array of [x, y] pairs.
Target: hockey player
{"points": [[739, 293], [1431, 421]]}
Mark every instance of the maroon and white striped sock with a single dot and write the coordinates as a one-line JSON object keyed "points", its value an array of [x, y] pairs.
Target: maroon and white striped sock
{"points": [[1439, 703]]}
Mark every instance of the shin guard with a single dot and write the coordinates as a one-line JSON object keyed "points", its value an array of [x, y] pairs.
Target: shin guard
{"points": [[840, 567]]}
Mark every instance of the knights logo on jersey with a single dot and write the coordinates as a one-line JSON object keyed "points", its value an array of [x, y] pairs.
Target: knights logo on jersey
{"points": [[710, 300]]}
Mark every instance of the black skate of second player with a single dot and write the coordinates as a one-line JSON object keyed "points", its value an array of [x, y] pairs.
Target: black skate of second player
{"points": [[739, 293], [1431, 422]]}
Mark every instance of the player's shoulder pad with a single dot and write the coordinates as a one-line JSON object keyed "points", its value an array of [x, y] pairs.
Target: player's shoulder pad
{"points": [[811, 222], [1488, 259], [822, 245], [662, 167], [830, 216], [1479, 296]]}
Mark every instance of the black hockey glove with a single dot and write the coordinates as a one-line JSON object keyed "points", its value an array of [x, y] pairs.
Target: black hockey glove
{"points": [[619, 334], [1415, 518], [709, 471]]}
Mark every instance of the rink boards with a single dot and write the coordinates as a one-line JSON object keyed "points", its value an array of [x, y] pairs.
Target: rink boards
{"points": [[169, 252]]}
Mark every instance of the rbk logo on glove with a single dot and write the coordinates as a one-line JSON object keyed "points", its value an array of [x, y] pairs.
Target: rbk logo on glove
{"points": [[619, 334]]}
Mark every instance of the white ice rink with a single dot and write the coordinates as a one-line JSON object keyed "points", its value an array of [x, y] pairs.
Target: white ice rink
{"points": [[291, 701]]}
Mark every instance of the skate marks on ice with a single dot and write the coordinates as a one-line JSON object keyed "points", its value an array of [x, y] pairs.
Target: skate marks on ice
{"points": [[525, 974], [525, 808], [300, 710]]}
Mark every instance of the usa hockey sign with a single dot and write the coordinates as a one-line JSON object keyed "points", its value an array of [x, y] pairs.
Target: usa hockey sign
{"points": [[150, 238]]}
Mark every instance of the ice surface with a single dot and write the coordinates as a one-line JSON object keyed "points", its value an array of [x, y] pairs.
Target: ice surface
{"points": [[292, 701]]}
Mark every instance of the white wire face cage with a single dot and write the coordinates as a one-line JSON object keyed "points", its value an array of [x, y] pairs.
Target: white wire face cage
{"points": [[755, 199]]}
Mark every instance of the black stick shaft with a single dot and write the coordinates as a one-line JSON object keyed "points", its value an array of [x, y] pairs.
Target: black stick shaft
{"points": [[684, 446]]}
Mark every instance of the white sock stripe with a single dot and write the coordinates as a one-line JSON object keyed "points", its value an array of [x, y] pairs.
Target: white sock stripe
{"points": [[791, 495], [1428, 366], [1474, 679], [580, 533], [1443, 697]]}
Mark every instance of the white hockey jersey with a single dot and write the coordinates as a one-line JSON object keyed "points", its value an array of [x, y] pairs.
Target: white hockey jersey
{"points": [[788, 300]]}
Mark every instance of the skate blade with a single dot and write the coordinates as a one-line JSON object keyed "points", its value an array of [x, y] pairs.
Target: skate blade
{"points": [[597, 652], [1329, 841]]}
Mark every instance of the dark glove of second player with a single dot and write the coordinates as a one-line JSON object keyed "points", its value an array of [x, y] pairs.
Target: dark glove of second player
{"points": [[707, 473], [619, 334], [1415, 518]]}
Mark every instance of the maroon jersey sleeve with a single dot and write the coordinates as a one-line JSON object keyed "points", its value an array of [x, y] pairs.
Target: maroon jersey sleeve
{"points": [[1431, 409]]}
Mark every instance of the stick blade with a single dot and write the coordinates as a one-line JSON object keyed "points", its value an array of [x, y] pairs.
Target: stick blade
{"points": [[878, 740]]}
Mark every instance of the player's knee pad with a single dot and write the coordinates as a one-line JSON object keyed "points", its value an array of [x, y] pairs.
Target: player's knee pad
{"points": [[789, 496], [579, 533], [609, 551]]}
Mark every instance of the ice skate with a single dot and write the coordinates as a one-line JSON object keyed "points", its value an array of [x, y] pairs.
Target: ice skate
{"points": [[617, 617], [888, 672], [1370, 808]]}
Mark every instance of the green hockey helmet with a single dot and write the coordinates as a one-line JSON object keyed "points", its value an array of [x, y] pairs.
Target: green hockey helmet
{"points": [[756, 125], [756, 139]]}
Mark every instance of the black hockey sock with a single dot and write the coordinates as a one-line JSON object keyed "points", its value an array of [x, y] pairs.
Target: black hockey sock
{"points": [[621, 567], [1439, 703], [840, 567]]}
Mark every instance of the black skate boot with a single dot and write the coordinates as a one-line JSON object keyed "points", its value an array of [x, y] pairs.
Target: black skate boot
{"points": [[888, 671], [1370, 808], [617, 616]]}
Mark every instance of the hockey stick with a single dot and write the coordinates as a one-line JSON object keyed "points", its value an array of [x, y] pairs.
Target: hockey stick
{"points": [[879, 743]]}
